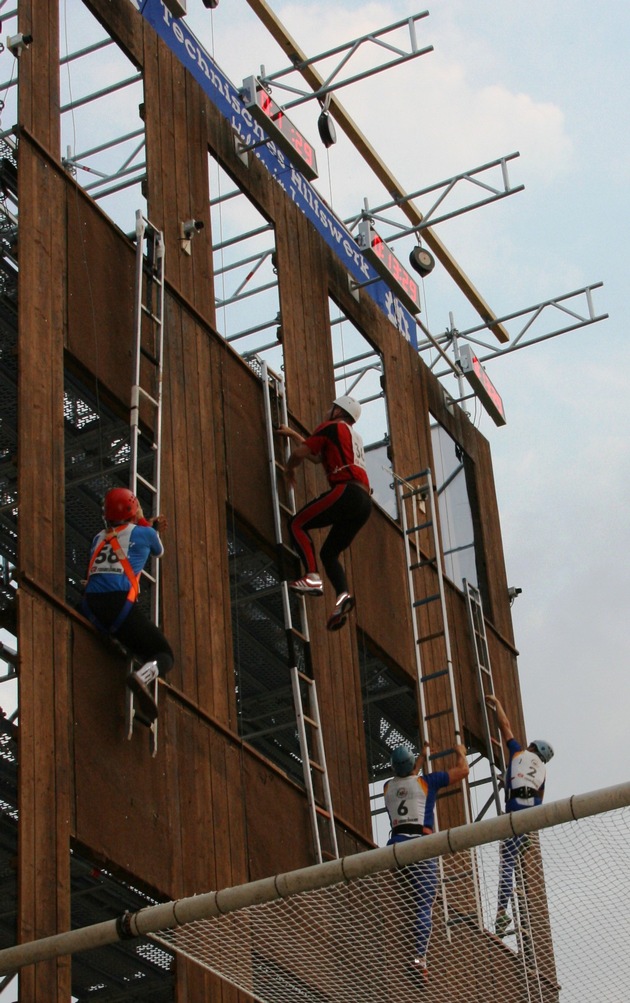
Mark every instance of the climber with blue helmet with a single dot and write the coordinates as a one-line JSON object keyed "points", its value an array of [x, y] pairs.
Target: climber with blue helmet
{"points": [[345, 507], [410, 798], [525, 777]]}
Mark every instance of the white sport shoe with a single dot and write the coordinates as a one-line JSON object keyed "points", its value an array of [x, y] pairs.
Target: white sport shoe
{"points": [[345, 602], [419, 972], [148, 672], [139, 682], [309, 585]]}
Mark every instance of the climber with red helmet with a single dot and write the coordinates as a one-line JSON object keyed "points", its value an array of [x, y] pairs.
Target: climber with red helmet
{"points": [[525, 777], [345, 507], [117, 557]]}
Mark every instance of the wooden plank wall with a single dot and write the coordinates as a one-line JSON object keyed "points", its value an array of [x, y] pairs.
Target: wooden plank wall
{"points": [[204, 813], [43, 749]]}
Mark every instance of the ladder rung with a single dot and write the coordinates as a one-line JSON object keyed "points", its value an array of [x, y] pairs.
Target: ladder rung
{"points": [[298, 633], [467, 918], [452, 879], [434, 675], [146, 483], [424, 563], [424, 602], [288, 509], [305, 678], [147, 396], [439, 713], [421, 525], [423, 491], [149, 313], [431, 637], [289, 549], [323, 812], [150, 356], [316, 766], [311, 721]]}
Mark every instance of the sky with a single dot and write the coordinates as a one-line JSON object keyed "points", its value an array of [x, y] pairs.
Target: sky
{"points": [[550, 81]]}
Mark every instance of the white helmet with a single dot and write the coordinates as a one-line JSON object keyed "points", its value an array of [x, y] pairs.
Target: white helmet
{"points": [[350, 406]]}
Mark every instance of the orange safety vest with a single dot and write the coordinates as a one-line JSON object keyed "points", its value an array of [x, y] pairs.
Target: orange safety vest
{"points": [[112, 539]]}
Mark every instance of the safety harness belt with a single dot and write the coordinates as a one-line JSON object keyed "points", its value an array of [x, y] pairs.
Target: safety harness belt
{"points": [[111, 538]]}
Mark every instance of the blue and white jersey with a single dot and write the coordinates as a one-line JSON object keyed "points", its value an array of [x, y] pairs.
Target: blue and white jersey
{"points": [[525, 771], [411, 800], [137, 543]]}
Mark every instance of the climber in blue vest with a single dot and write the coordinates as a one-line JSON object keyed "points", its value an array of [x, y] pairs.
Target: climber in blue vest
{"points": [[117, 557]]}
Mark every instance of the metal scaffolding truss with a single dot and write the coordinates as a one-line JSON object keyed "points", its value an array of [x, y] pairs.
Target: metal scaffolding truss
{"points": [[441, 190], [570, 311], [346, 51]]}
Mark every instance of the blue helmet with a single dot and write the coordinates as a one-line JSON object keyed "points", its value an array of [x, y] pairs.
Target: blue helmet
{"points": [[542, 749], [403, 761]]}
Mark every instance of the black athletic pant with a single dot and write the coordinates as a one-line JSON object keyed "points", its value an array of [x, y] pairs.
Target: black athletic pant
{"points": [[346, 507], [137, 633]]}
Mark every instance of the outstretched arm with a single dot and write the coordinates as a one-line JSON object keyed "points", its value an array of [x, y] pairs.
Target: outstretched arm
{"points": [[502, 719], [461, 769], [290, 433]]}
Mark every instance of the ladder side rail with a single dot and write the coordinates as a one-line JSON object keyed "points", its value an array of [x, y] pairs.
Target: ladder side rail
{"points": [[449, 664], [442, 592], [402, 487], [494, 745], [267, 376], [408, 494], [154, 278], [524, 935], [157, 440], [432, 524], [321, 753], [308, 761], [477, 625], [137, 334], [306, 756]]}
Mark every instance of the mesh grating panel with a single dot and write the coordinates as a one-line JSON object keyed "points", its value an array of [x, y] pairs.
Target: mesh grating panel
{"points": [[261, 655]]}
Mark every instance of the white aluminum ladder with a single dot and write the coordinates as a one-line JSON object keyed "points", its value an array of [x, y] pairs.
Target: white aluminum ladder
{"points": [[483, 669], [302, 682], [497, 764], [436, 689], [146, 400]]}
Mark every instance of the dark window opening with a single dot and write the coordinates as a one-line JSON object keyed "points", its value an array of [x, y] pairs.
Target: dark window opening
{"points": [[266, 712], [97, 458], [390, 718]]}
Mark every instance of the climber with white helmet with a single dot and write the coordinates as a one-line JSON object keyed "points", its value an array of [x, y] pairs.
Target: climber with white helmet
{"points": [[345, 507], [525, 776]]}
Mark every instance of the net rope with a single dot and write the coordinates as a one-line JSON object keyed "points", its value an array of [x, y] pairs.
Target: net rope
{"points": [[355, 941]]}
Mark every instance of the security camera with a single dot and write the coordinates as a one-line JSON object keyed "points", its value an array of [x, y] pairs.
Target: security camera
{"points": [[187, 230], [513, 593], [16, 44], [191, 227]]}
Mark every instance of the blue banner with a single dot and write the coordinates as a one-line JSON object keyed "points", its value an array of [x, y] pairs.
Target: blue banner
{"points": [[226, 98]]}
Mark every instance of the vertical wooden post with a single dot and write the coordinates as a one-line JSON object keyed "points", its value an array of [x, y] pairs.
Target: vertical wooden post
{"points": [[44, 796]]}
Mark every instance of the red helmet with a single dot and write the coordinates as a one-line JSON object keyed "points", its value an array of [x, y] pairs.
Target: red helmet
{"points": [[121, 505]]}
